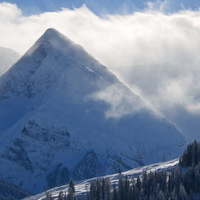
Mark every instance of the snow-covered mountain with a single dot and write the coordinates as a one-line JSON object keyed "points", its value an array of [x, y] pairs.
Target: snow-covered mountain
{"points": [[63, 115], [7, 58]]}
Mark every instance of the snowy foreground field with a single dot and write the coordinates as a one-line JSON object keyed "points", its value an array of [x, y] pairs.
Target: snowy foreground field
{"points": [[82, 186]]}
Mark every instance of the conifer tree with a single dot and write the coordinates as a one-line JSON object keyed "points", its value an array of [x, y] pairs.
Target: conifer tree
{"points": [[49, 196], [126, 187], [70, 195], [71, 185], [138, 184], [160, 196], [121, 187], [107, 189], [71, 191], [115, 195], [61, 196], [103, 188], [182, 193], [98, 189], [92, 190]]}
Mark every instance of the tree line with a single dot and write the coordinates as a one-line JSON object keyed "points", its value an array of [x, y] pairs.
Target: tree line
{"points": [[180, 183]]}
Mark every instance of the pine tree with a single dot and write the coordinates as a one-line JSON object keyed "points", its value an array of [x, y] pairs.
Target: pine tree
{"points": [[163, 180], [71, 191], [65, 198], [115, 194], [132, 182], [142, 194], [126, 187], [87, 197], [160, 196], [144, 179], [130, 192], [194, 153], [49, 196], [98, 189], [61, 196], [103, 188], [92, 190], [177, 177], [121, 187], [71, 185], [197, 181], [138, 184], [71, 195], [191, 155], [174, 195], [191, 196], [107, 189], [182, 193]]}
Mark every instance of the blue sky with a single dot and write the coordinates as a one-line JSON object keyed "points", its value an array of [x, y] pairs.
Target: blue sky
{"points": [[101, 7], [36, 7]]}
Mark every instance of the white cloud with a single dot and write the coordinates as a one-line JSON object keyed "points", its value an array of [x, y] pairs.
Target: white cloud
{"points": [[156, 52], [9, 12], [7, 58]]}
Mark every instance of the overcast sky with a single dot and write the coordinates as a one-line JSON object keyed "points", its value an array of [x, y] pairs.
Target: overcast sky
{"points": [[152, 46]]}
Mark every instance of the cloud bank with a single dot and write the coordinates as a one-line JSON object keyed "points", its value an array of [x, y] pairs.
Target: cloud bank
{"points": [[7, 58], [156, 54]]}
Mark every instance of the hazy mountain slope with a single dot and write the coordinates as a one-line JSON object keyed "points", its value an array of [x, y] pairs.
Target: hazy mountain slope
{"points": [[65, 115], [9, 191], [7, 58]]}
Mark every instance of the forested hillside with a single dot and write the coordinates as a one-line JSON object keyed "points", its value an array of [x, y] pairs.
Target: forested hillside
{"points": [[180, 183]]}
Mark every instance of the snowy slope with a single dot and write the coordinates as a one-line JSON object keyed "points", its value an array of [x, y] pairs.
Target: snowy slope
{"points": [[7, 58], [63, 115], [81, 186]]}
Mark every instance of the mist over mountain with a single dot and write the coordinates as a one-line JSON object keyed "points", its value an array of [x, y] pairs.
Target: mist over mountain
{"points": [[7, 58], [64, 115]]}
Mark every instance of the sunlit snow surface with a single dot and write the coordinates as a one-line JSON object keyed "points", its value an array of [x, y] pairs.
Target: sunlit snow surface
{"points": [[82, 186]]}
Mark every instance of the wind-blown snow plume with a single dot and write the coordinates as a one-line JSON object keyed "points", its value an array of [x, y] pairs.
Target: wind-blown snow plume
{"points": [[120, 101]]}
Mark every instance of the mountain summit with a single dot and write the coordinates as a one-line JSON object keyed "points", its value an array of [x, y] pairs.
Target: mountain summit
{"points": [[64, 115]]}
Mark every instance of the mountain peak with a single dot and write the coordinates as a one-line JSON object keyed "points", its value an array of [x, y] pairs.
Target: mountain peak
{"points": [[53, 38], [50, 49], [52, 34], [51, 31]]}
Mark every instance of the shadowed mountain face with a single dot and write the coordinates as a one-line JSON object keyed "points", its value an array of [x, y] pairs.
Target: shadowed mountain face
{"points": [[9, 191], [64, 115]]}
